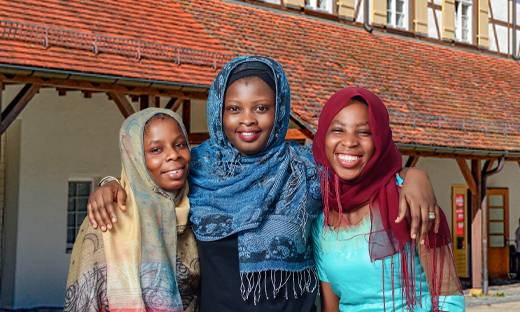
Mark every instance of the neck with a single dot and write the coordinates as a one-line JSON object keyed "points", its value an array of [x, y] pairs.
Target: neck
{"points": [[354, 216]]}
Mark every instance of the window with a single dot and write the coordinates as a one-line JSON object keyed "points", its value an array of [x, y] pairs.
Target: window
{"points": [[322, 5], [396, 13], [79, 192], [462, 21]]}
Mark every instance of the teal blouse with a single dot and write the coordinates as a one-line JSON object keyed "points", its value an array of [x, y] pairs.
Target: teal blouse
{"points": [[343, 260]]}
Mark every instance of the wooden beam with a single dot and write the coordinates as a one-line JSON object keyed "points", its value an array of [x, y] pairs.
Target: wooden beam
{"points": [[134, 98], [80, 85], [198, 138], [186, 115], [17, 105], [170, 103], [87, 94], [156, 101], [122, 103], [177, 104], [144, 102], [412, 161], [464, 168], [494, 25], [476, 198], [436, 7]]}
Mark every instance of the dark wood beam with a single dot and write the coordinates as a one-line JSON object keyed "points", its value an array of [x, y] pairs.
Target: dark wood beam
{"points": [[468, 176], [87, 94], [144, 102], [17, 105], [170, 103], [186, 115], [502, 23], [134, 98], [122, 103], [436, 7], [494, 25], [412, 161], [156, 101], [80, 85], [356, 14], [61, 92], [197, 138], [476, 198], [177, 104]]}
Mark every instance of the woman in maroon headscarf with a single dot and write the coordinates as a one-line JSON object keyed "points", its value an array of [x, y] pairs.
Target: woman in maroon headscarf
{"points": [[366, 261]]}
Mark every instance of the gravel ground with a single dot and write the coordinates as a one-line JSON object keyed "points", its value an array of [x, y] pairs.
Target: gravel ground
{"points": [[510, 293]]}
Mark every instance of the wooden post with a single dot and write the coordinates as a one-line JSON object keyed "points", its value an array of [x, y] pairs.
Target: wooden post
{"points": [[156, 101], [476, 225], [186, 115], [145, 101]]}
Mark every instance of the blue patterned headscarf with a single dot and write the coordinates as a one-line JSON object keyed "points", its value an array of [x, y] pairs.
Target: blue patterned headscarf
{"points": [[269, 199]]}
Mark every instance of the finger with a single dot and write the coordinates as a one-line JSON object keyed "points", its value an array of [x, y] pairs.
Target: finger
{"points": [[121, 199], [437, 219], [90, 216], [111, 211], [425, 227], [414, 226], [104, 214], [403, 206], [97, 216]]}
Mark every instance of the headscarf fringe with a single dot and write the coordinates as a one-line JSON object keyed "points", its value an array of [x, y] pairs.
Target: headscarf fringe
{"points": [[302, 281]]}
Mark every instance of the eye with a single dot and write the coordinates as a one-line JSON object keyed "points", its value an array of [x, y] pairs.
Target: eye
{"points": [[262, 108], [233, 109], [155, 150], [181, 144], [365, 133], [336, 130]]}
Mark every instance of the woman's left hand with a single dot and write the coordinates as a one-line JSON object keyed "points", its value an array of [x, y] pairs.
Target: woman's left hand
{"points": [[417, 193]]}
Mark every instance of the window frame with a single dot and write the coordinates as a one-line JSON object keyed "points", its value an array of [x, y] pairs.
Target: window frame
{"points": [[393, 10], [76, 211], [313, 5], [458, 21]]}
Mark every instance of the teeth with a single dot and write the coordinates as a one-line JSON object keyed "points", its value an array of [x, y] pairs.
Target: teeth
{"points": [[348, 158], [248, 133], [174, 171]]}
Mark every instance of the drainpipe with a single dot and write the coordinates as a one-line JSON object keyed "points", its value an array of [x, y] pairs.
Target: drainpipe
{"points": [[485, 175], [515, 49], [366, 18]]}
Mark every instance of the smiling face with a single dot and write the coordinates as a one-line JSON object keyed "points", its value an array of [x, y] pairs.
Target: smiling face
{"points": [[349, 144], [166, 152], [249, 114]]}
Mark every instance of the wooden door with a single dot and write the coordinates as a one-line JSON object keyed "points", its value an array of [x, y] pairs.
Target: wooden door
{"points": [[498, 232]]}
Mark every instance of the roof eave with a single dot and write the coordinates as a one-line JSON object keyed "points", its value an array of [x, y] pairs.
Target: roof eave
{"points": [[455, 151]]}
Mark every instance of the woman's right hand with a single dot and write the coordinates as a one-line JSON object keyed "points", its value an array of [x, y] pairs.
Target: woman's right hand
{"points": [[100, 205]]}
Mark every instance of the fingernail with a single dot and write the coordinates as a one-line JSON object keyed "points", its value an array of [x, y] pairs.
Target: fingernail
{"points": [[114, 219], [94, 225], [396, 219], [414, 236], [103, 228], [422, 241], [124, 206], [109, 226]]}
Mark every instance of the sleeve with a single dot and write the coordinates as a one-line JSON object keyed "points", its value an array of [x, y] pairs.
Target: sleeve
{"points": [[317, 227]]}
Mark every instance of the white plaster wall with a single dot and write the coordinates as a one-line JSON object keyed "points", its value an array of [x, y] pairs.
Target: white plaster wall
{"points": [[60, 137]]}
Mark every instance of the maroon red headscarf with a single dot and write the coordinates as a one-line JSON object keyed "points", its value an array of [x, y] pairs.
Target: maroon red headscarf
{"points": [[376, 185]]}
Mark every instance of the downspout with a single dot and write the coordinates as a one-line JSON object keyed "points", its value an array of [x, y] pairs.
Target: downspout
{"points": [[515, 49], [485, 175], [366, 14]]}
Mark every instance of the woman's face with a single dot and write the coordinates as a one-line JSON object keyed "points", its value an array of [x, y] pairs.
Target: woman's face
{"points": [[166, 153], [349, 144], [249, 114]]}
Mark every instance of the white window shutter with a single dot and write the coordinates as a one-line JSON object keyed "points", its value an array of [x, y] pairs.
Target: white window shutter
{"points": [[378, 12], [421, 16], [483, 23], [347, 8], [448, 19]]}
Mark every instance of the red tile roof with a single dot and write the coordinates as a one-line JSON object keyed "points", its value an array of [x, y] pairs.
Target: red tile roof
{"points": [[437, 95]]}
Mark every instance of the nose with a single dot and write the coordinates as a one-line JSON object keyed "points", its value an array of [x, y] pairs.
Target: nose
{"points": [[172, 154], [349, 140], [248, 118]]}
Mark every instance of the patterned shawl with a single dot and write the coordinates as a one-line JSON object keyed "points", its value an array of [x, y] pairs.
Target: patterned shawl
{"points": [[269, 199], [135, 265]]}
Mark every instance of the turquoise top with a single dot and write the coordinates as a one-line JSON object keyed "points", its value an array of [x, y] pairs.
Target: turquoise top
{"points": [[343, 260]]}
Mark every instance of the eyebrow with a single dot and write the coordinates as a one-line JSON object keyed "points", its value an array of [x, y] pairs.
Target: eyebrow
{"points": [[341, 123], [180, 136]]}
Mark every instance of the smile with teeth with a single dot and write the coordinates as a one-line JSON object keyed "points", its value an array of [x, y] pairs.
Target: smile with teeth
{"points": [[248, 133], [174, 171], [348, 158]]}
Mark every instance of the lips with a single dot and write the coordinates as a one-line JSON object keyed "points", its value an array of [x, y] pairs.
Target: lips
{"points": [[348, 160], [174, 174], [248, 136]]}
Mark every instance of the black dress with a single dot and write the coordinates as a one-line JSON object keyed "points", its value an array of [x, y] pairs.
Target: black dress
{"points": [[220, 283]]}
